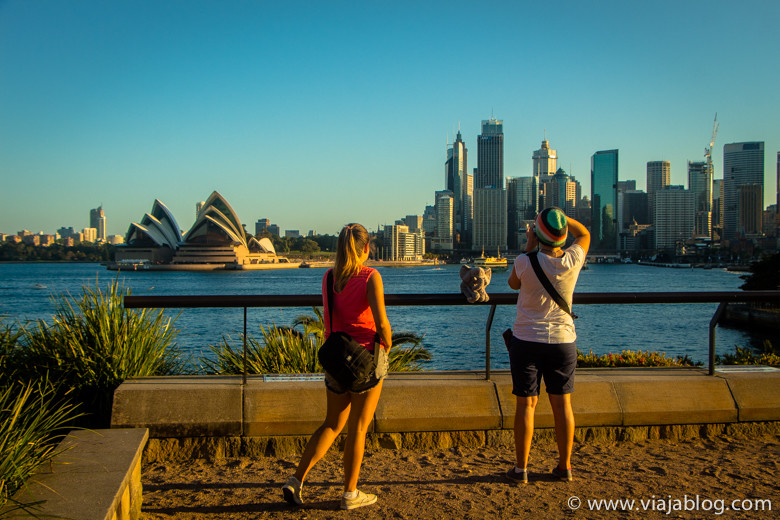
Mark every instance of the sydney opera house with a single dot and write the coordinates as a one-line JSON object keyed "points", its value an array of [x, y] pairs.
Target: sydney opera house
{"points": [[217, 240]]}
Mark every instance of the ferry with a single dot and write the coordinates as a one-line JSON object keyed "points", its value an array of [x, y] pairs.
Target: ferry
{"points": [[494, 262]]}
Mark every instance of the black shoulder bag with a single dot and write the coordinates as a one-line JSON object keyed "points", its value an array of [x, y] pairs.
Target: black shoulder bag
{"points": [[346, 360], [532, 256]]}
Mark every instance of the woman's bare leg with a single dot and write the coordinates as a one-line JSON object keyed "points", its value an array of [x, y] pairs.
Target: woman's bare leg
{"points": [[322, 439], [363, 408]]}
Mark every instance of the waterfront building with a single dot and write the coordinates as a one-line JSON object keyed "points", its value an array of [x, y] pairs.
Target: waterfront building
{"points": [[217, 239], [115, 240], [292, 233], [545, 162], [603, 197], [562, 191], [743, 164], [66, 232], [777, 195], [633, 209], [32, 240], [468, 210], [456, 167], [700, 184], [490, 220], [659, 175], [97, 220], [403, 245], [489, 228], [445, 212], [750, 204], [521, 201], [414, 222], [89, 234], [261, 225], [674, 217], [717, 209], [490, 155]]}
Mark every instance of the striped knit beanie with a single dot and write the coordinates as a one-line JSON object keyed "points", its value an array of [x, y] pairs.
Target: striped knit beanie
{"points": [[551, 227]]}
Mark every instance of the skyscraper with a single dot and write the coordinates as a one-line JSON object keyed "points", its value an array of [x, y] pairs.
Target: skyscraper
{"points": [[743, 164], [444, 220], [521, 204], [490, 217], [603, 196], [658, 177], [97, 220], [700, 185], [674, 212], [456, 171], [489, 224], [490, 155]]}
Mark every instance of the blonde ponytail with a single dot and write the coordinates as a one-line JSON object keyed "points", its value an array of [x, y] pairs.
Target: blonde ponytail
{"points": [[352, 240]]}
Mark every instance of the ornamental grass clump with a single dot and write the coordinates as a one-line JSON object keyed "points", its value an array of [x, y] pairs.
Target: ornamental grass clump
{"points": [[631, 358], [288, 350], [33, 421], [93, 344]]}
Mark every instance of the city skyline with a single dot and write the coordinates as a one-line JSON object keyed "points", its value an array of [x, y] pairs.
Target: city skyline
{"points": [[117, 104]]}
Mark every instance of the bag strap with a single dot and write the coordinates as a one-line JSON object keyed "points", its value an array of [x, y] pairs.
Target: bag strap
{"points": [[548, 285], [329, 283]]}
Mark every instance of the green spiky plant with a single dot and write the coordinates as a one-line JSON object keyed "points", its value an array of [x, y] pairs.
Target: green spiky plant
{"points": [[93, 344], [33, 420], [287, 350]]}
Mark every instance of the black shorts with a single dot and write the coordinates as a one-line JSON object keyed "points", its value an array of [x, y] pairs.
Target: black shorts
{"points": [[530, 361]]}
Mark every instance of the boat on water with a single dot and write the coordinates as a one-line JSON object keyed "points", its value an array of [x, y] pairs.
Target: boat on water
{"points": [[494, 262]]}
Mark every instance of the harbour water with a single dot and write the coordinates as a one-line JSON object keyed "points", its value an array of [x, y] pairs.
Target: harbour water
{"points": [[454, 335]]}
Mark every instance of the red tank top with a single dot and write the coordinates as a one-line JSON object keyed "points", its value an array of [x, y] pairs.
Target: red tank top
{"points": [[351, 312]]}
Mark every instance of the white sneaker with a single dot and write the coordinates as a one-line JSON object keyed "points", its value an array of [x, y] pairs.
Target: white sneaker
{"points": [[292, 491], [362, 499]]}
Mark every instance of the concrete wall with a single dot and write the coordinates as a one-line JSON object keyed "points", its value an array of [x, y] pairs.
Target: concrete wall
{"points": [[461, 403]]}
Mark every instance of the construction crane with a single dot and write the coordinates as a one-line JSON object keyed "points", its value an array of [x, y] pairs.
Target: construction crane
{"points": [[708, 150]]}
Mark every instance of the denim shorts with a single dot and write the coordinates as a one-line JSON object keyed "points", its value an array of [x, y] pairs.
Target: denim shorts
{"points": [[360, 387], [530, 361]]}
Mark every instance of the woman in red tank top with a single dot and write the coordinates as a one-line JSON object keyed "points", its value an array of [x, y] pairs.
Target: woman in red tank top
{"points": [[359, 310]]}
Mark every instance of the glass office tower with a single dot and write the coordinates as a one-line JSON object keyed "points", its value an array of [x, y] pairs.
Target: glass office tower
{"points": [[603, 186]]}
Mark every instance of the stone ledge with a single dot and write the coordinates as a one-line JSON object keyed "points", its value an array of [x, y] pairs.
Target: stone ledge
{"points": [[183, 407], [96, 476]]}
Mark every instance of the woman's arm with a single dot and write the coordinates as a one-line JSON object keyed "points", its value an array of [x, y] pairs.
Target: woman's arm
{"points": [[375, 292], [580, 234]]}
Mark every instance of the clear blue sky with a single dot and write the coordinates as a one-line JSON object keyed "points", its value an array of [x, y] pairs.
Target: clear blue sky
{"points": [[314, 114]]}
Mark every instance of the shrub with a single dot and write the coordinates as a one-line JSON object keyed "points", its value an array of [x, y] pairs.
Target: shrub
{"points": [[767, 355], [286, 350], [631, 358], [93, 344]]}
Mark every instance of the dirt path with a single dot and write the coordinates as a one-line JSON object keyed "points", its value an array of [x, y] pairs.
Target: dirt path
{"points": [[692, 479]]}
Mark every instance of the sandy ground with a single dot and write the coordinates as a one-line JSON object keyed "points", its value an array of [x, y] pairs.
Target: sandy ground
{"points": [[698, 479]]}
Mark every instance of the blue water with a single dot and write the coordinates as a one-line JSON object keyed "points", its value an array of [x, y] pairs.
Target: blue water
{"points": [[454, 335]]}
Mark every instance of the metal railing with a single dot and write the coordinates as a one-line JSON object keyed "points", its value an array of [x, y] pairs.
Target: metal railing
{"points": [[723, 298]]}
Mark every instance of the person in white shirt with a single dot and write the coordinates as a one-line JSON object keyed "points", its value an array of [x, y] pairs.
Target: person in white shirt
{"points": [[543, 342]]}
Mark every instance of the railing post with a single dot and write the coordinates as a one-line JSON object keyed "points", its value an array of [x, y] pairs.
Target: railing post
{"points": [[713, 323], [487, 340], [244, 376]]}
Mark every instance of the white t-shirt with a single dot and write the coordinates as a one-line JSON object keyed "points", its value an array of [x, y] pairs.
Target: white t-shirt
{"points": [[539, 318]]}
